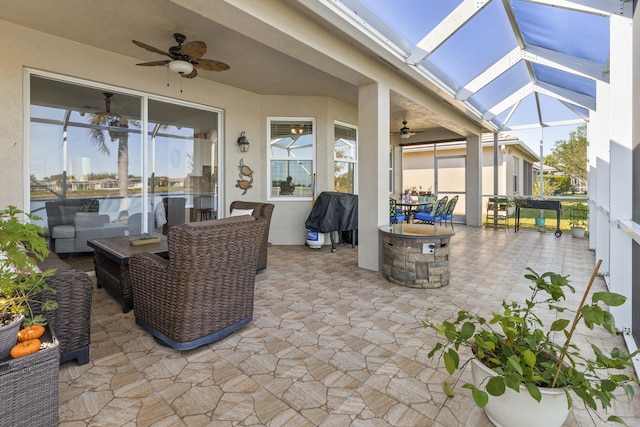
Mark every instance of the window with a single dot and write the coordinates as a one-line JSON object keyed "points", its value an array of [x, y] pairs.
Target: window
{"points": [[516, 174], [291, 157], [345, 157], [527, 178]]}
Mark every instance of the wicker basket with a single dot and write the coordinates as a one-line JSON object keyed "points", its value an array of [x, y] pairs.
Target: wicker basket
{"points": [[29, 386]]}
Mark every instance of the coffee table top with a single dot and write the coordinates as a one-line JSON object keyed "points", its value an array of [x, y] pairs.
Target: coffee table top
{"points": [[120, 249]]}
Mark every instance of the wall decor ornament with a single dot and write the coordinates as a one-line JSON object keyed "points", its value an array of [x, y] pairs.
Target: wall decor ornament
{"points": [[246, 177]]}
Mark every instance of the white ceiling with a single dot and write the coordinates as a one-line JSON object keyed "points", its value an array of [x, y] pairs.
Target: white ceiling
{"points": [[269, 66], [111, 25]]}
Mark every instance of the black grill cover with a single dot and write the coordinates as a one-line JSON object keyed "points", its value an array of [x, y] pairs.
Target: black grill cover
{"points": [[333, 212]]}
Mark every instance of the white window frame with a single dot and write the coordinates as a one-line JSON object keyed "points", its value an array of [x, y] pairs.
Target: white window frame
{"points": [[353, 161], [270, 158], [391, 183], [516, 175]]}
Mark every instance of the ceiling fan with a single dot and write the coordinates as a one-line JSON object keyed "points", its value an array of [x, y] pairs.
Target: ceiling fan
{"points": [[405, 132], [186, 58]]}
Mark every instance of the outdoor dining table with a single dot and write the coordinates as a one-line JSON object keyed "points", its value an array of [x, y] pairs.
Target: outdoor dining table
{"points": [[410, 208]]}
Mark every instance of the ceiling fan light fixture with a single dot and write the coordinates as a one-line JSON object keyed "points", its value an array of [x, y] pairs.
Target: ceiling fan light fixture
{"points": [[405, 132], [181, 67], [297, 129]]}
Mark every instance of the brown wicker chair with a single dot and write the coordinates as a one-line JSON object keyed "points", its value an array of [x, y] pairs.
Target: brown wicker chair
{"points": [[72, 320], [205, 290], [260, 210]]}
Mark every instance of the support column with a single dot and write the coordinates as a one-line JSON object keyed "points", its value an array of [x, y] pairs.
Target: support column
{"points": [[473, 181], [599, 173], [621, 171], [635, 278], [373, 166]]}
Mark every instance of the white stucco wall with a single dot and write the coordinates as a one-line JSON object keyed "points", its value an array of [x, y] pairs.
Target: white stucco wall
{"points": [[243, 111]]}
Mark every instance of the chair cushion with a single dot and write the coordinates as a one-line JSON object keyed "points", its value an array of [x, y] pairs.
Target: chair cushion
{"points": [[68, 213], [64, 232], [240, 212], [90, 220]]}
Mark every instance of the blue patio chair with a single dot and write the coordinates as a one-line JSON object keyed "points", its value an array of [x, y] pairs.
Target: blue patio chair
{"points": [[448, 211], [436, 213], [394, 213]]}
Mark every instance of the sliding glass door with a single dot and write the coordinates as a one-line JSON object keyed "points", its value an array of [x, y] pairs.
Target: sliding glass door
{"points": [[183, 161], [87, 143]]}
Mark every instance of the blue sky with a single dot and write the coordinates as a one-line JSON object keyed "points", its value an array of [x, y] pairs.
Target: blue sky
{"points": [[488, 36]]}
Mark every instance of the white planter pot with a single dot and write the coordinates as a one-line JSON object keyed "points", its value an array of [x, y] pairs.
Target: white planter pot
{"points": [[577, 232], [520, 409]]}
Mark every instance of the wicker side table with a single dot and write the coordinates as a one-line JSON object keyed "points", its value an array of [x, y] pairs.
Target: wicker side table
{"points": [[29, 387]]}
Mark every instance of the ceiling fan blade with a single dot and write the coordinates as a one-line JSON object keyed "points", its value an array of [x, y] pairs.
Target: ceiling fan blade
{"points": [[151, 64], [194, 50], [210, 65], [150, 48], [191, 75]]}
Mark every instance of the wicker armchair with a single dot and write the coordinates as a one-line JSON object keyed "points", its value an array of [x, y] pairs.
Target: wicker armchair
{"points": [[260, 210], [205, 290], [71, 322]]}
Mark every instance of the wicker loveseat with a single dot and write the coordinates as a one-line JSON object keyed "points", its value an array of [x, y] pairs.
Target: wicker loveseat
{"points": [[259, 210], [205, 290], [72, 320]]}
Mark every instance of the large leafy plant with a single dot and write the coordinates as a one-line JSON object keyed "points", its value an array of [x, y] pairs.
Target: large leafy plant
{"points": [[522, 350], [21, 247]]}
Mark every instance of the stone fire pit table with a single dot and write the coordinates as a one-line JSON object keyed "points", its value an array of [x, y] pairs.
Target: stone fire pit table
{"points": [[416, 255]]}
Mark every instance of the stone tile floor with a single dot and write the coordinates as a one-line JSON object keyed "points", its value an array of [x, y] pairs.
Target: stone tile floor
{"points": [[330, 345]]}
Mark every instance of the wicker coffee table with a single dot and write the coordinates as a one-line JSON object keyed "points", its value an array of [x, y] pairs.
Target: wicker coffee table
{"points": [[111, 263]]}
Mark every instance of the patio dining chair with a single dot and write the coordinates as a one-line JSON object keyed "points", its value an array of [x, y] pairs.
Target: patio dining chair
{"points": [[436, 213], [448, 211], [394, 213]]}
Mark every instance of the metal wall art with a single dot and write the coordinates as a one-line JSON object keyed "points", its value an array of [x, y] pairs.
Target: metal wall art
{"points": [[246, 177]]}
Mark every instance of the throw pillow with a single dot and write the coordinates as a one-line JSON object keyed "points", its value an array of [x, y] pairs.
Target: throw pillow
{"points": [[239, 212], [90, 205]]}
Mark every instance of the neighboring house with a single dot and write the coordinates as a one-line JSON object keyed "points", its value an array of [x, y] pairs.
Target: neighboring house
{"points": [[516, 168], [176, 182], [135, 182], [105, 183], [76, 184]]}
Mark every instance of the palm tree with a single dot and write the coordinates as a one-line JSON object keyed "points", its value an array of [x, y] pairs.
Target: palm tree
{"points": [[117, 128]]}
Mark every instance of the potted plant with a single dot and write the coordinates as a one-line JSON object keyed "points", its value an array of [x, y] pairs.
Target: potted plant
{"points": [[578, 227], [517, 348], [21, 247], [578, 220]]}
